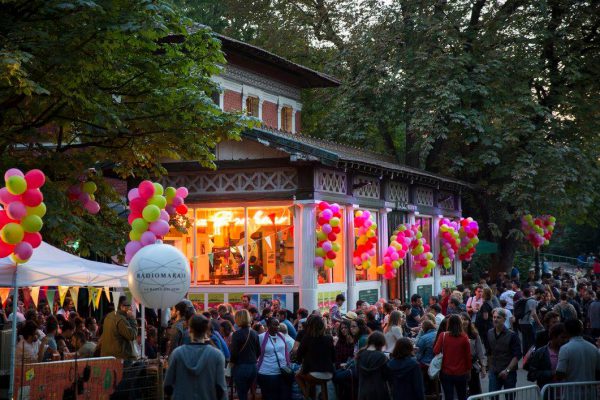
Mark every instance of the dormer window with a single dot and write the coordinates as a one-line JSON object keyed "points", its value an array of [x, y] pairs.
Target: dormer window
{"points": [[286, 118], [252, 104]]}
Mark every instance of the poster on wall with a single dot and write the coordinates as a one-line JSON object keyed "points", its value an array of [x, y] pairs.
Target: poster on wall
{"points": [[254, 300], [448, 284], [265, 301], [371, 296], [282, 297], [197, 300], [214, 299], [326, 300], [235, 299]]}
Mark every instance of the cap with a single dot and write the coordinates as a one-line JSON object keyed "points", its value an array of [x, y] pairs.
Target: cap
{"points": [[350, 316]]}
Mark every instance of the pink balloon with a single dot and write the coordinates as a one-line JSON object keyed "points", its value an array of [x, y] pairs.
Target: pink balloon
{"points": [[170, 209], [133, 247], [6, 197], [146, 190], [16, 210], [92, 207], [319, 262], [137, 205], [32, 197], [23, 250], [326, 214], [12, 172], [335, 208], [84, 198], [164, 215], [133, 194], [148, 238], [35, 179], [159, 228], [326, 246], [128, 258], [181, 192], [326, 229], [177, 201]]}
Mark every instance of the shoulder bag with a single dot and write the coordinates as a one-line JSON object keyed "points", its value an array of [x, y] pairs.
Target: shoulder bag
{"points": [[436, 364]]}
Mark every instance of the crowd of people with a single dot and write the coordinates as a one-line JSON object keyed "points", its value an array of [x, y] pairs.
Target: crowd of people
{"points": [[387, 350]]}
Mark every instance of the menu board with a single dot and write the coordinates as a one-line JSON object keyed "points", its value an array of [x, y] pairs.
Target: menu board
{"points": [[426, 291], [371, 296]]}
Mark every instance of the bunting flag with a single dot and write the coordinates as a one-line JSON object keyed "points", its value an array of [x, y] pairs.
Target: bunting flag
{"points": [[62, 293], [268, 241], [211, 258], [26, 297], [96, 295], [107, 292], [4, 292], [50, 296], [91, 291], [115, 298], [241, 249], [35, 295], [74, 295]]}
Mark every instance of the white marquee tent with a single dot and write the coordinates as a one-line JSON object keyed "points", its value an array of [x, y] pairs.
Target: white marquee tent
{"points": [[50, 266]]}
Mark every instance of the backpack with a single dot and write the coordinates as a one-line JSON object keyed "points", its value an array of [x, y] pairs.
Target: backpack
{"points": [[566, 313], [519, 309]]}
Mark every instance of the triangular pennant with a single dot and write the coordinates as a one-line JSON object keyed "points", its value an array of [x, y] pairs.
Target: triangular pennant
{"points": [[35, 295], [107, 292], [4, 294], [91, 291], [62, 293], [211, 258], [115, 298], [268, 241], [241, 249], [98, 297], [272, 218], [74, 295], [50, 297], [26, 297]]}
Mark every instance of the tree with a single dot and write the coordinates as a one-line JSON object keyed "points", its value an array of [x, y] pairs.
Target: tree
{"points": [[120, 85], [504, 95]]}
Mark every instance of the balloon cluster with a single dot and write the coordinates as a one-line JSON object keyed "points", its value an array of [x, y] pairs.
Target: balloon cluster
{"points": [[151, 208], [538, 230], [84, 193], [449, 242], [21, 218], [393, 257], [328, 227], [420, 250], [366, 238], [468, 231]]}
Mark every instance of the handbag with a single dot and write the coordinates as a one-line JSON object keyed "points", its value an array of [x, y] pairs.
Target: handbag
{"points": [[436, 364], [287, 373]]}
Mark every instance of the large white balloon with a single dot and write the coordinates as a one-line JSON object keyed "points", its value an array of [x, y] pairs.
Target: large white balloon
{"points": [[159, 276]]}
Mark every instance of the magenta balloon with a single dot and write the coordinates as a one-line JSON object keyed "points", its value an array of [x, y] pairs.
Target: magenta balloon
{"points": [[177, 201], [12, 172], [334, 208], [326, 229], [6, 197], [23, 250], [92, 207], [164, 215], [326, 246], [133, 194], [133, 247], [16, 210], [181, 192], [35, 179], [84, 198], [146, 189], [32, 197], [148, 238], [128, 258], [327, 214], [159, 228], [319, 262], [170, 209]]}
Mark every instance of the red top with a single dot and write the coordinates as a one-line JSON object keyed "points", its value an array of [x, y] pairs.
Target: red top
{"points": [[457, 353]]}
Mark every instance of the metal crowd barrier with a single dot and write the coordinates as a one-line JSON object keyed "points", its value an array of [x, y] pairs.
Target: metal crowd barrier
{"points": [[523, 393], [572, 391]]}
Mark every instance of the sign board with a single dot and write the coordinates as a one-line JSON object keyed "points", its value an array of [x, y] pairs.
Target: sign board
{"points": [[426, 291], [371, 296]]}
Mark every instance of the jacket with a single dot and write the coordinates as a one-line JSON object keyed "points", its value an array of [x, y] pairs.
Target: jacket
{"points": [[196, 372], [539, 368], [425, 345], [457, 353], [406, 379], [118, 335], [372, 374]]}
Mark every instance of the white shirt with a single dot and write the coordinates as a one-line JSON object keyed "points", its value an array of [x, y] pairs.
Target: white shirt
{"points": [[508, 296], [509, 315], [438, 319], [269, 363]]}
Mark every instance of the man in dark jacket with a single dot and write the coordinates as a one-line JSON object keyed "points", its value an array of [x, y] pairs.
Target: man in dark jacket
{"points": [[119, 332], [541, 366]]}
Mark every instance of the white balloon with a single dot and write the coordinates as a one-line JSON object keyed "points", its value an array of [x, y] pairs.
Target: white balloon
{"points": [[159, 276]]}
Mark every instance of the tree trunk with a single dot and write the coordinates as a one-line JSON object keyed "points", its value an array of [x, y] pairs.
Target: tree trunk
{"points": [[503, 261]]}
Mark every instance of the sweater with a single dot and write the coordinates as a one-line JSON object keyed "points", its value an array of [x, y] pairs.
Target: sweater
{"points": [[245, 349], [196, 372], [316, 354], [457, 353]]}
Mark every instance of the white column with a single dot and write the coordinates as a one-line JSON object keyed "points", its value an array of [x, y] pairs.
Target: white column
{"points": [[305, 255], [279, 108], [382, 243], [352, 295], [222, 100], [458, 270], [294, 120], [412, 282], [260, 107], [244, 98], [435, 249]]}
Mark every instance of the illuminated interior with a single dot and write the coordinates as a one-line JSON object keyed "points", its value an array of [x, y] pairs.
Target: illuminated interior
{"points": [[371, 273], [336, 274]]}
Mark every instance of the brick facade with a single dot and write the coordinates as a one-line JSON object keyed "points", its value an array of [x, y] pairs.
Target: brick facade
{"points": [[232, 101], [269, 114], [298, 124]]}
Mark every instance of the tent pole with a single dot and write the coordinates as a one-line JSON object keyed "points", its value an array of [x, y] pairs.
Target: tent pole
{"points": [[13, 340], [143, 344]]}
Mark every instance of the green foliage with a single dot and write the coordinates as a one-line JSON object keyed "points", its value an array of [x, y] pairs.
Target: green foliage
{"points": [[119, 84]]}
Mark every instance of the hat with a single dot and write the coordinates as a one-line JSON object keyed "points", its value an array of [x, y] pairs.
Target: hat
{"points": [[350, 316]]}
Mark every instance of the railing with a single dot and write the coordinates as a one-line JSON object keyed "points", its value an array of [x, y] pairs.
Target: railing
{"points": [[523, 393], [564, 259], [571, 391]]}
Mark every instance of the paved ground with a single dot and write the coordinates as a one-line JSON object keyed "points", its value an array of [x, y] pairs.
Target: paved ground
{"points": [[521, 380]]}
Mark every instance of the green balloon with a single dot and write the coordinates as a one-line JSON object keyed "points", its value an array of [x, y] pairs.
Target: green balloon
{"points": [[12, 233], [32, 223], [321, 236], [151, 213], [139, 225], [158, 200], [90, 187], [133, 235], [170, 192], [158, 189], [16, 185], [319, 252], [329, 263], [335, 221], [39, 210]]}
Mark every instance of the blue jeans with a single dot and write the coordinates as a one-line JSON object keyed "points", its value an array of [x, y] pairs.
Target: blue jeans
{"points": [[497, 383], [243, 376], [451, 382], [273, 387]]}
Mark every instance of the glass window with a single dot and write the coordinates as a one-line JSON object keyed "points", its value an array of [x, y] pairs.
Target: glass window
{"points": [[337, 274], [252, 106], [369, 274], [271, 245], [183, 241], [286, 119]]}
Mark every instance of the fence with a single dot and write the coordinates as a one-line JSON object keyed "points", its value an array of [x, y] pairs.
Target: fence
{"points": [[571, 391], [523, 393]]}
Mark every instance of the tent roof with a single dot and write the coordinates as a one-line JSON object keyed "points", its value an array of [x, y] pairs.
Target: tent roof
{"points": [[50, 266]]}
